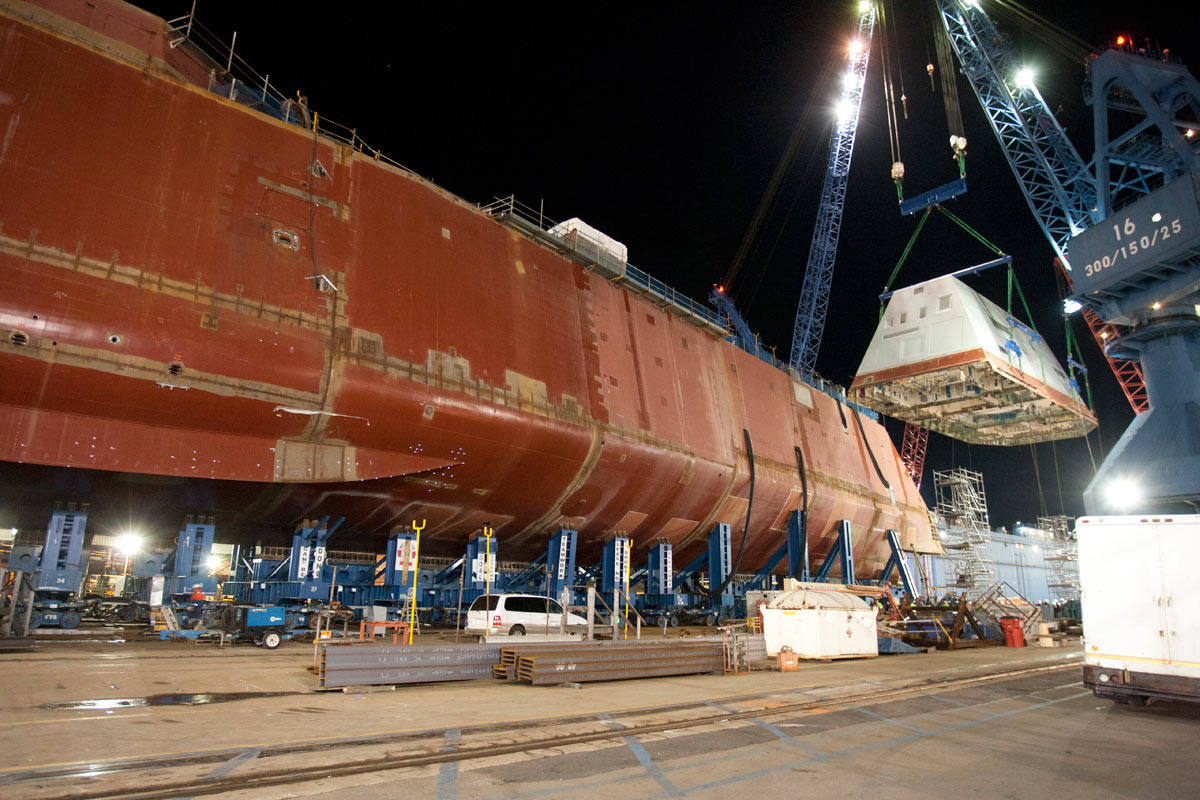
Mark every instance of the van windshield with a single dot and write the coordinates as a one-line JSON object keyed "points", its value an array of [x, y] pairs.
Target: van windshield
{"points": [[491, 600]]}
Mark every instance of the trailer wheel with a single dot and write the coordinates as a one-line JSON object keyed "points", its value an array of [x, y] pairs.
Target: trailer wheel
{"points": [[129, 613], [516, 630], [69, 620], [35, 620], [272, 639]]}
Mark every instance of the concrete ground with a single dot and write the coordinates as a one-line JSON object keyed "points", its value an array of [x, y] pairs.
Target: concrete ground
{"points": [[1037, 735]]}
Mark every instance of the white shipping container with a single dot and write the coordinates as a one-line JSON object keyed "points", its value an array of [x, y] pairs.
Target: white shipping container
{"points": [[819, 623], [1140, 603]]}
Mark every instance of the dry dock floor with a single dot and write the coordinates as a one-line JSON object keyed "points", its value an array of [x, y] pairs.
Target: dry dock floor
{"points": [[1035, 734]]}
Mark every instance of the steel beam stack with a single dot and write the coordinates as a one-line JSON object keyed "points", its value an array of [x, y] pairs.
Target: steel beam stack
{"points": [[349, 665], [588, 662]]}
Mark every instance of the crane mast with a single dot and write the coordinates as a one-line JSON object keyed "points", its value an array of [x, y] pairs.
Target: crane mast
{"points": [[1056, 182], [1134, 226], [818, 277], [1053, 177]]}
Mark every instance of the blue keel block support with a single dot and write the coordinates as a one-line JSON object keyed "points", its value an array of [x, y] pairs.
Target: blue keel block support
{"points": [[763, 574], [797, 546], [720, 562], [946, 191], [308, 549], [681, 577], [478, 564], [401, 557], [192, 551], [899, 562], [62, 560], [560, 562], [660, 575], [616, 564], [842, 553]]}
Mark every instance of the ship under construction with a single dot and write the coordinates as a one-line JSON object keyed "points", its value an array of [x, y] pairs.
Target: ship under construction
{"points": [[214, 303]]}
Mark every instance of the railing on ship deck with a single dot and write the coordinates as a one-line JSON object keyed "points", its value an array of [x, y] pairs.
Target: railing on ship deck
{"points": [[628, 275], [231, 77]]}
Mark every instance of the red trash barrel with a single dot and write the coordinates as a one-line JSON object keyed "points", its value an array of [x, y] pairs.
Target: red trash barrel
{"points": [[1013, 635]]}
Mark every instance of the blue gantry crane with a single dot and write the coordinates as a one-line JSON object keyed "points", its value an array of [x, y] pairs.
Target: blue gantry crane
{"points": [[1128, 222]]}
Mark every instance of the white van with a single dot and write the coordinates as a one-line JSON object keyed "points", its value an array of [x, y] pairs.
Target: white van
{"points": [[517, 615]]}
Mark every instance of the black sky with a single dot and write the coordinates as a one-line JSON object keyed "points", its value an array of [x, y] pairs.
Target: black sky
{"points": [[661, 124]]}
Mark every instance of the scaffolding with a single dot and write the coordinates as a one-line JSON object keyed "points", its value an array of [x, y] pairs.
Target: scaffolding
{"points": [[964, 529], [1062, 555]]}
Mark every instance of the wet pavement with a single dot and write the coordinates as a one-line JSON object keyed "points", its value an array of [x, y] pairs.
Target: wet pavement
{"points": [[74, 709]]}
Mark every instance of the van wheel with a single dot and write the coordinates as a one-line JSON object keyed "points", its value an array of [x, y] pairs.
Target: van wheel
{"points": [[516, 630]]}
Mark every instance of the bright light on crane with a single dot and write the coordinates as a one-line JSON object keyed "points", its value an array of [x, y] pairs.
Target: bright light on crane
{"points": [[1122, 493], [1071, 306], [855, 47], [1025, 78], [844, 110]]}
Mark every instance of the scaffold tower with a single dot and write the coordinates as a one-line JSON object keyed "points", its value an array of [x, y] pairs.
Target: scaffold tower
{"points": [[1062, 555], [964, 529]]}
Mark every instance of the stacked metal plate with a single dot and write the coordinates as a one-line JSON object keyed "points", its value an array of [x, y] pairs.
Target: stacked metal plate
{"points": [[349, 665], [587, 662]]}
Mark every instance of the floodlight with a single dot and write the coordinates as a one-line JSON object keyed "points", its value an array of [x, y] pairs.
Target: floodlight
{"points": [[129, 543]]}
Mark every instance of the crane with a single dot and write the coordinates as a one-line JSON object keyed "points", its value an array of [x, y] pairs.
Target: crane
{"points": [[818, 277], [1053, 177], [743, 336], [1131, 219]]}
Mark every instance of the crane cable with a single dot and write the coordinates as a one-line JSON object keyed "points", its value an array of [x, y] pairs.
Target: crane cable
{"points": [[784, 165], [889, 93], [945, 57], [900, 75], [1060, 40]]}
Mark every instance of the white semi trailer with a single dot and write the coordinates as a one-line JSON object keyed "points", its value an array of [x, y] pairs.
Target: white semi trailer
{"points": [[1140, 597]]}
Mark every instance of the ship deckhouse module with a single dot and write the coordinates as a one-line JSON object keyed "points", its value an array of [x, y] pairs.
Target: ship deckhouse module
{"points": [[948, 359]]}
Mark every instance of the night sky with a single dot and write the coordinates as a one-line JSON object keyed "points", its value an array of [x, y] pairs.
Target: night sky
{"points": [[662, 123]]}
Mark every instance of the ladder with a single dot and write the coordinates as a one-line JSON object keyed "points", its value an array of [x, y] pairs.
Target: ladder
{"points": [[997, 604], [164, 619]]}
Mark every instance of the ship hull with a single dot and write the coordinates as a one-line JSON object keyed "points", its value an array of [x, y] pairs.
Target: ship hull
{"points": [[201, 294]]}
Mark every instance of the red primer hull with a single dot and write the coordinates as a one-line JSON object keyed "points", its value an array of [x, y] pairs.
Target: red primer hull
{"points": [[162, 320]]}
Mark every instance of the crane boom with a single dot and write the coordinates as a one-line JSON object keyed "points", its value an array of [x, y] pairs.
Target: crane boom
{"points": [[1053, 177], [818, 277], [1138, 266], [1057, 184]]}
